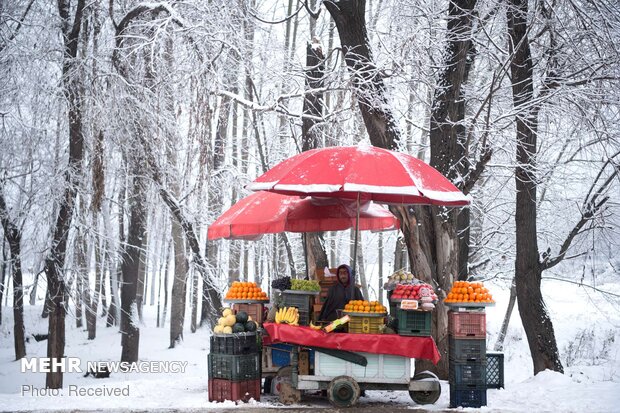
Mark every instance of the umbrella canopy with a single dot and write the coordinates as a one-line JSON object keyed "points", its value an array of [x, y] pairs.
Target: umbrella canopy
{"points": [[269, 213], [370, 172]]}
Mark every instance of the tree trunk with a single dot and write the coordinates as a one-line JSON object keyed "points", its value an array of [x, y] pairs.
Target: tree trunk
{"points": [[311, 139], [142, 266], [83, 269], [113, 262], [179, 285], [18, 296], [400, 254], [33, 292], [501, 336], [14, 237], [194, 321], [528, 270], [79, 292], [369, 87], [55, 260], [99, 266], [166, 282], [3, 272], [130, 329]]}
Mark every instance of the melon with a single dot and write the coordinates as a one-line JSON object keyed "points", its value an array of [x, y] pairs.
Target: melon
{"points": [[221, 321], [242, 317], [230, 320], [250, 326], [227, 330], [238, 328], [218, 329], [226, 312]]}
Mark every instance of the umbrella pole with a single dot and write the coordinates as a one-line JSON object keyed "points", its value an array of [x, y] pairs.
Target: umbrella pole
{"points": [[357, 231], [304, 241]]}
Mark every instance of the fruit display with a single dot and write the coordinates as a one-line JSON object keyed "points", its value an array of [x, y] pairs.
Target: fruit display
{"points": [[401, 277], [287, 315], [414, 292], [305, 285], [231, 323], [246, 291], [469, 292], [359, 306], [282, 283]]}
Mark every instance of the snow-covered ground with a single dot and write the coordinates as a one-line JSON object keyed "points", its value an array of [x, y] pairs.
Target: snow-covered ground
{"points": [[586, 324]]}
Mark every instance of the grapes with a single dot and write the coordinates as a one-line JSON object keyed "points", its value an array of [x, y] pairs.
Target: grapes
{"points": [[305, 285], [282, 283]]}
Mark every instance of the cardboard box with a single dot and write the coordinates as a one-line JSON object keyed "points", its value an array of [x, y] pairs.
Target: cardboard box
{"points": [[320, 274]]}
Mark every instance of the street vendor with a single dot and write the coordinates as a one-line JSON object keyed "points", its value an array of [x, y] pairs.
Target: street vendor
{"points": [[340, 294]]}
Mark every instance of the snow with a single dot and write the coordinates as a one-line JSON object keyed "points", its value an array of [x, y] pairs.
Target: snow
{"points": [[591, 382]]}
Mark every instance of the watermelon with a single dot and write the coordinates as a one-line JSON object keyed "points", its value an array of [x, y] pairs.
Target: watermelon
{"points": [[242, 317], [238, 328], [250, 326]]}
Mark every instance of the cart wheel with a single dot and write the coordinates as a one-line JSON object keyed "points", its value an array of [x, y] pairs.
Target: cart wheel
{"points": [[425, 397], [284, 374], [343, 391]]}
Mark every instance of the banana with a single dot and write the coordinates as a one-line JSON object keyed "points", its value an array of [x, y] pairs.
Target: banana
{"points": [[279, 316], [314, 327]]}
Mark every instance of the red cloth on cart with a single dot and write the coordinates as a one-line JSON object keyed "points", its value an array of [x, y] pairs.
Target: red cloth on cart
{"points": [[406, 346]]}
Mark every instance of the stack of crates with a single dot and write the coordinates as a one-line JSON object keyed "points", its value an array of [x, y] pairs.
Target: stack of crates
{"points": [[234, 366], [467, 358]]}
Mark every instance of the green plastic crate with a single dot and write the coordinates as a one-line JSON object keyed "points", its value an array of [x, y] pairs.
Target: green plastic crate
{"points": [[234, 367], [467, 349], [414, 323]]}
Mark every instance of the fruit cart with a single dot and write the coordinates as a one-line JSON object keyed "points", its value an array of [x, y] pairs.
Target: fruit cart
{"points": [[347, 364]]}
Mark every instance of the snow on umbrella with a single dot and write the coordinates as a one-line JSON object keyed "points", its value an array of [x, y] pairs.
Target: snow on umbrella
{"points": [[269, 213], [367, 172]]}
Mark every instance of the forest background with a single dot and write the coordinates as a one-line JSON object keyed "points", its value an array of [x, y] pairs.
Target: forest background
{"points": [[128, 127]]}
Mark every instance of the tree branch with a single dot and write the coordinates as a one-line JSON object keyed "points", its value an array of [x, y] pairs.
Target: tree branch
{"points": [[590, 208], [19, 26]]}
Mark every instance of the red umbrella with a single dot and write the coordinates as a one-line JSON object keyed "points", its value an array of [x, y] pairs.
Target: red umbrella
{"points": [[269, 213], [369, 172]]}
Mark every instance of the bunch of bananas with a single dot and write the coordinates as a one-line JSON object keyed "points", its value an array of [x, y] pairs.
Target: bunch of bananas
{"points": [[288, 315]]}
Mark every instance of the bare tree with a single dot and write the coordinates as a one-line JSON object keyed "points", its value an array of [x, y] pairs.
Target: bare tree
{"points": [[55, 260], [13, 237]]}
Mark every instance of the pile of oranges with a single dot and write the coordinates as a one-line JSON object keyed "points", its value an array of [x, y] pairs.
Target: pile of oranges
{"points": [[359, 306], [245, 291], [468, 292]]}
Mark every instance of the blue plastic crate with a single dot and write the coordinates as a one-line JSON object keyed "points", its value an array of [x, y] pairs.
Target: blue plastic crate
{"points": [[468, 373], [468, 396], [281, 354]]}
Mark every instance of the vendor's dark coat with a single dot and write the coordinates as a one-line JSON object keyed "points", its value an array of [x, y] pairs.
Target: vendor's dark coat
{"points": [[339, 295]]}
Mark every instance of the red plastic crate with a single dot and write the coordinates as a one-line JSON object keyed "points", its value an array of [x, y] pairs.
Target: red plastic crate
{"points": [[220, 390], [254, 310], [467, 324]]}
